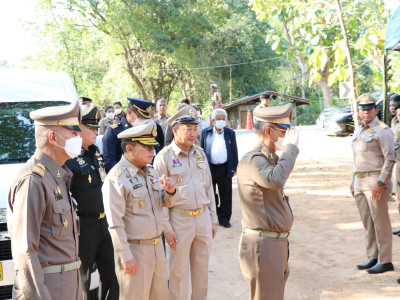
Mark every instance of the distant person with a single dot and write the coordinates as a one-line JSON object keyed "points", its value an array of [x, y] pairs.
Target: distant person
{"points": [[169, 136], [265, 100], [41, 215], [118, 111], [373, 159], [161, 116], [107, 120], [137, 113], [216, 95], [87, 103], [215, 105], [219, 144], [394, 100], [202, 122], [396, 178], [160, 133], [267, 216], [187, 101]]}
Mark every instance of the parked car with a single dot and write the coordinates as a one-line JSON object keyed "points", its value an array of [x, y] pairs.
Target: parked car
{"points": [[22, 91], [339, 121]]}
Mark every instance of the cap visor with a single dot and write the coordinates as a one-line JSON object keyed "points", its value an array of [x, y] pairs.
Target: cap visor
{"points": [[284, 126], [149, 143], [73, 127], [366, 106], [91, 125]]}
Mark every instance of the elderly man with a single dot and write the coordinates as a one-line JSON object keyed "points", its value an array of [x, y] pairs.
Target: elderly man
{"points": [[219, 144], [267, 216], [41, 214], [161, 117], [133, 198], [191, 222], [95, 244], [373, 159], [137, 113]]}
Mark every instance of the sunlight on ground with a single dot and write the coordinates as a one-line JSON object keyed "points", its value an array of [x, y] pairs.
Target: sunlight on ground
{"points": [[349, 226]]}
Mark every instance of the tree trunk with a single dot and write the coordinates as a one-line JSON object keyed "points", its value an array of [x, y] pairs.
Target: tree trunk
{"points": [[326, 91]]}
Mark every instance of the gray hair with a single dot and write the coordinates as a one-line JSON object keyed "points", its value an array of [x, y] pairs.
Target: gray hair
{"points": [[161, 100], [125, 143], [259, 126], [218, 111]]}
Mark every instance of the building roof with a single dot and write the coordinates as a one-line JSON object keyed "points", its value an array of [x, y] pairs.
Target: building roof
{"points": [[297, 100]]}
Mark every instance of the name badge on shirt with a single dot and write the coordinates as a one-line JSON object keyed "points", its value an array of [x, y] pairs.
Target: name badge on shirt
{"points": [[135, 182], [176, 163], [58, 194]]}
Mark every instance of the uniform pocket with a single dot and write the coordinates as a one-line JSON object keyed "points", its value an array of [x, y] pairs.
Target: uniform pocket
{"points": [[178, 174], [137, 201], [61, 213]]}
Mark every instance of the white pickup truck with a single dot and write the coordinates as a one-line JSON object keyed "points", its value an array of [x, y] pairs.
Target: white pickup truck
{"points": [[22, 91]]}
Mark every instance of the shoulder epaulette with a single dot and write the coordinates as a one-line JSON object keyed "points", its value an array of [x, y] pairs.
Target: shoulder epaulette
{"points": [[164, 150], [39, 169], [382, 125], [198, 147], [113, 126], [117, 172]]}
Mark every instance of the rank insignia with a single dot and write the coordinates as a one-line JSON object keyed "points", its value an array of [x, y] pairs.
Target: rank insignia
{"points": [[135, 182], [126, 125], [198, 156], [176, 163], [58, 174], [81, 161], [90, 178], [371, 132], [65, 223], [180, 179], [141, 203]]}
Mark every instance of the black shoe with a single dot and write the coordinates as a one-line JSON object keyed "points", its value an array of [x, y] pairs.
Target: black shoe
{"points": [[368, 264], [227, 225], [397, 232], [398, 280], [381, 268]]}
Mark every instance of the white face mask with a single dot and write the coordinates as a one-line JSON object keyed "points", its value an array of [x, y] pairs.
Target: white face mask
{"points": [[278, 143], [117, 111], [73, 145], [220, 124], [110, 115], [138, 122], [198, 114]]}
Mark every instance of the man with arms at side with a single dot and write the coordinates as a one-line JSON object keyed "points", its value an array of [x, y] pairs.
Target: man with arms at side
{"points": [[161, 116], [371, 185], [95, 244], [41, 215], [191, 223], [267, 216], [134, 195], [219, 144]]}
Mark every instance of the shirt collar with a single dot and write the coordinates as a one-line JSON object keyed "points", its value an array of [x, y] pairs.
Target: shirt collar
{"points": [[216, 132], [178, 150], [264, 149], [130, 167], [373, 123], [59, 173]]}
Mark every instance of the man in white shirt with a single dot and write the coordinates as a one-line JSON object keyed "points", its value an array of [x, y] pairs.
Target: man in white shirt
{"points": [[219, 144]]}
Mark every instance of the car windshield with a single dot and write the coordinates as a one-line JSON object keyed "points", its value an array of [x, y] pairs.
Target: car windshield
{"points": [[17, 132]]}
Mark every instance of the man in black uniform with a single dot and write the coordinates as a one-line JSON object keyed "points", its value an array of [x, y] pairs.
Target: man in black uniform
{"points": [[95, 244], [137, 113]]}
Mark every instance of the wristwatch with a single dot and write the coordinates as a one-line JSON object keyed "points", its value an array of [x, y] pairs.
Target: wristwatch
{"points": [[381, 183]]}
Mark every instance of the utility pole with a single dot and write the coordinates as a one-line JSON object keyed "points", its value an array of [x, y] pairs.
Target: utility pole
{"points": [[353, 93]]}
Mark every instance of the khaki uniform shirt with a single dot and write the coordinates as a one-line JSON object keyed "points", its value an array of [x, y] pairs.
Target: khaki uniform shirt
{"points": [[192, 177], [373, 149], [41, 221], [133, 201], [104, 124], [261, 178], [394, 122], [162, 121]]}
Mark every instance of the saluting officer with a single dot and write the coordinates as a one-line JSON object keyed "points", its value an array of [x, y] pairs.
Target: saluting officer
{"points": [[191, 222], [41, 215], [95, 244], [267, 216], [371, 186], [137, 113], [134, 195]]}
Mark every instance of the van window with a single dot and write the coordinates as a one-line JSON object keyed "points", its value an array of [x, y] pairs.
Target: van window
{"points": [[17, 131]]}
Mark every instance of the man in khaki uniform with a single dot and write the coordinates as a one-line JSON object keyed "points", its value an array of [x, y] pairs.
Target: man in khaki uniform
{"points": [[267, 216], [41, 215], [191, 222], [133, 196], [373, 159], [161, 116]]}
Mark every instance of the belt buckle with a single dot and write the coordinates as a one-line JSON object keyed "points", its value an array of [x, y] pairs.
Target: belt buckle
{"points": [[195, 212], [101, 216], [360, 175], [155, 241]]}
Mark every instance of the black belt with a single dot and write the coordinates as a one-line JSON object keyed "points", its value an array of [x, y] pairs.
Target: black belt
{"points": [[91, 215]]}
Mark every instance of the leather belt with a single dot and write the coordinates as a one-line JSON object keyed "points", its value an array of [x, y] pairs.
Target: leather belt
{"points": [[366, 174], [91, 215], [275, 235], [62, 268], [188, 212], [153, 241]]}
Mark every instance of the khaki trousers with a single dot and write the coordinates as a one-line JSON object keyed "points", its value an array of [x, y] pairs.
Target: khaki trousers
{"points": [[151, 279], [194, 234], [264, 264], [375, 218]]}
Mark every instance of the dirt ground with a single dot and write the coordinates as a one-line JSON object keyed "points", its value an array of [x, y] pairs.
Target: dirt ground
{"points": [[327, 239]]}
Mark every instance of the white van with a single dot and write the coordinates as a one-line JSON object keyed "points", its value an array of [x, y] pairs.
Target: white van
{"points": [[22, 91]]}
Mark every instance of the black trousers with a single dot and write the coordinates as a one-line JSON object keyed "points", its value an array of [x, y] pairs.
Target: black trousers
{"points": [[95, 246], [224, 183]]}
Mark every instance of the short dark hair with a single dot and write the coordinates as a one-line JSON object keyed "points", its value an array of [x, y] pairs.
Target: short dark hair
{"points": [[107, 108], [125, 143], [397, 105], [396, 99], [187, 101], [117, 103], [265, 96]]}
